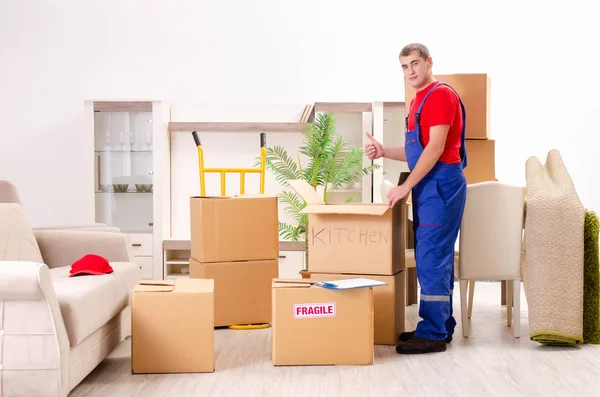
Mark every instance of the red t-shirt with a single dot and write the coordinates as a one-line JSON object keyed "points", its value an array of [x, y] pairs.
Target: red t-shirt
{"points": [[442, 107]]}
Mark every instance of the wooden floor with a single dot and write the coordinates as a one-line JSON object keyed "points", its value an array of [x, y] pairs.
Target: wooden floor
{"points": [[491, 362]]}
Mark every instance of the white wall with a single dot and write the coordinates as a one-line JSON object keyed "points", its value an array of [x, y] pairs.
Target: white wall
{"points": [[53, 55]]}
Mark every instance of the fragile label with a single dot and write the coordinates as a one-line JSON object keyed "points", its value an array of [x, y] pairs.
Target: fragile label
{"points": [[312, 310]]}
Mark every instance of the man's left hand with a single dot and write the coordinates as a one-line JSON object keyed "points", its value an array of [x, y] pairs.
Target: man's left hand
{"points": [[396, 194]]}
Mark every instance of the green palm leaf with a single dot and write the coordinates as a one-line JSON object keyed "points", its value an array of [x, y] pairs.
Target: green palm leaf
{"points": [[331, 164]]}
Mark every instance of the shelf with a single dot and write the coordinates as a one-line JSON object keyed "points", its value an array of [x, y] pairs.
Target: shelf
{"points": [[130, 192], [123, 151], [184, 245], [345, 191], [177, 261], [173, 276], [343, 107], [122, 106], [176, 245], [238, 126]]}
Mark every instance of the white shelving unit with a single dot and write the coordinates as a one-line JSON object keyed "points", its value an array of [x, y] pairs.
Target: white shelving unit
{"points": [[389, 129], [176, 258], [131, 156], [352, 121]]}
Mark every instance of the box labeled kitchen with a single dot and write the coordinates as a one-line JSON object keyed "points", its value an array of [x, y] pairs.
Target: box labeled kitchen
{"points": [[353, 238]]}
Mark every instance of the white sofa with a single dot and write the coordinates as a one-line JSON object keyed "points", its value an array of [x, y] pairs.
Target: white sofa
{"points": [[55, 329]]}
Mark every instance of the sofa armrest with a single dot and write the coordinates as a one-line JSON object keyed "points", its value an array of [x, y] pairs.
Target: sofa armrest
{"points": [[63, 247], [35, 345]]}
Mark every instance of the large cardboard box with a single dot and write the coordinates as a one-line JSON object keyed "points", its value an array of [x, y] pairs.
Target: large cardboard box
{"points": [[475, 91], [319, 326], [172, 326], [389, 303], [242, 289], [481, 161], [225, 229], [353, 238]]}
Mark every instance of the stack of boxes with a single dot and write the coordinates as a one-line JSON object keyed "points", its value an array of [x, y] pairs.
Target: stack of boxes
{"points": [[360, 241], [235, 242], [475, 92]]}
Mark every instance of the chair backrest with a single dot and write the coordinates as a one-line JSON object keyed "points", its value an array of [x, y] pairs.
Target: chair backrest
{"points": [[8, 193], [491, 232]]}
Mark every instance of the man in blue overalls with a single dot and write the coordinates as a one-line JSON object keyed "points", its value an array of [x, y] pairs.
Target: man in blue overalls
{"points": [[434, 149]]}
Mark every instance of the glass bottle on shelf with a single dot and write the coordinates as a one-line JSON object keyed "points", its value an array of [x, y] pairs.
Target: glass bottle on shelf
{"points": [[122, 140], [148, 140], [132, 140]]}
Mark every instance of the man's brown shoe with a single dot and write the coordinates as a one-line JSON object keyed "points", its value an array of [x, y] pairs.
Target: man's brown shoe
{"points": [[417, 346]]}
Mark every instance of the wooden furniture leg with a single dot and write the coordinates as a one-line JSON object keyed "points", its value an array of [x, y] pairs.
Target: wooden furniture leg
{"points": [[411, 286], [471, 294]]}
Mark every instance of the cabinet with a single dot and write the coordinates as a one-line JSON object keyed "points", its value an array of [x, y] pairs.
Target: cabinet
{"points": [[131, 156], [389, 129], [352, 121]]}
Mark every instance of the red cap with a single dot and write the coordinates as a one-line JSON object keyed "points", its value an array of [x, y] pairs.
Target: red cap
{"points": [[90, 264]]}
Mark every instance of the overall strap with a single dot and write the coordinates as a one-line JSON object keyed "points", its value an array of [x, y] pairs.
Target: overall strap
{"points": [[463, 148], [418, 113]]}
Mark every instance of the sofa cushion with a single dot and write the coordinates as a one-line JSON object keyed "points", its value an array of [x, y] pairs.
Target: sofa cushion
{"points": [[17, 240], [87, 302]]}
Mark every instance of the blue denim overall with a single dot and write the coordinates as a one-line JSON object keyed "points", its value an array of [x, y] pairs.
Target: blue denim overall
{"points": [[438, 204]]}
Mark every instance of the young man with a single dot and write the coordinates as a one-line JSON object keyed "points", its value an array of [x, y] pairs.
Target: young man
{"points": [[435, 152]]}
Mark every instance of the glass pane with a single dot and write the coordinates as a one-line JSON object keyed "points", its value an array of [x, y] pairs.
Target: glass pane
{"points": [[123, 170], [350, 127]]}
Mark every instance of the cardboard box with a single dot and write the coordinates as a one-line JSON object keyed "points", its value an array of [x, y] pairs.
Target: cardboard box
{"points": [[475, 93], [319, 326], [225, 229], [389, 303], [242, 289], [172, 327], [481, 161], [353, 238]]}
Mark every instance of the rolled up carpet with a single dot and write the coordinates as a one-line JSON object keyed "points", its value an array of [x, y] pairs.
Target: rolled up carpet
{"points": [[591, 280], [554, 225]]}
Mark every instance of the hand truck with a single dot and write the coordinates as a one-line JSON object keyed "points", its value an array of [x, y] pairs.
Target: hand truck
{"points": [[224, 171], [242, 171]]}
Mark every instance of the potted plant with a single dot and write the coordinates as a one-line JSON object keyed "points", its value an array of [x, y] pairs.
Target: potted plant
{"points": [[330, 164]]}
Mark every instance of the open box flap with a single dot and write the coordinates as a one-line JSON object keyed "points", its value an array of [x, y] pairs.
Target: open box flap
{"points": [[358, 209], [306, 191], [292, 283], [316, 205]]}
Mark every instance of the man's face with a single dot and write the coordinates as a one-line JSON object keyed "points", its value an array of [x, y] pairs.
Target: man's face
{"points": [[416, 70]]}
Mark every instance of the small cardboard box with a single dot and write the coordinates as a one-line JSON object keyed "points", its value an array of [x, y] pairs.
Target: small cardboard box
{"points": [[474, 90], [225, 229], [481, 165], [353, 238], [172, 326], [389, 302], [319, 326], [242, 289]]}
